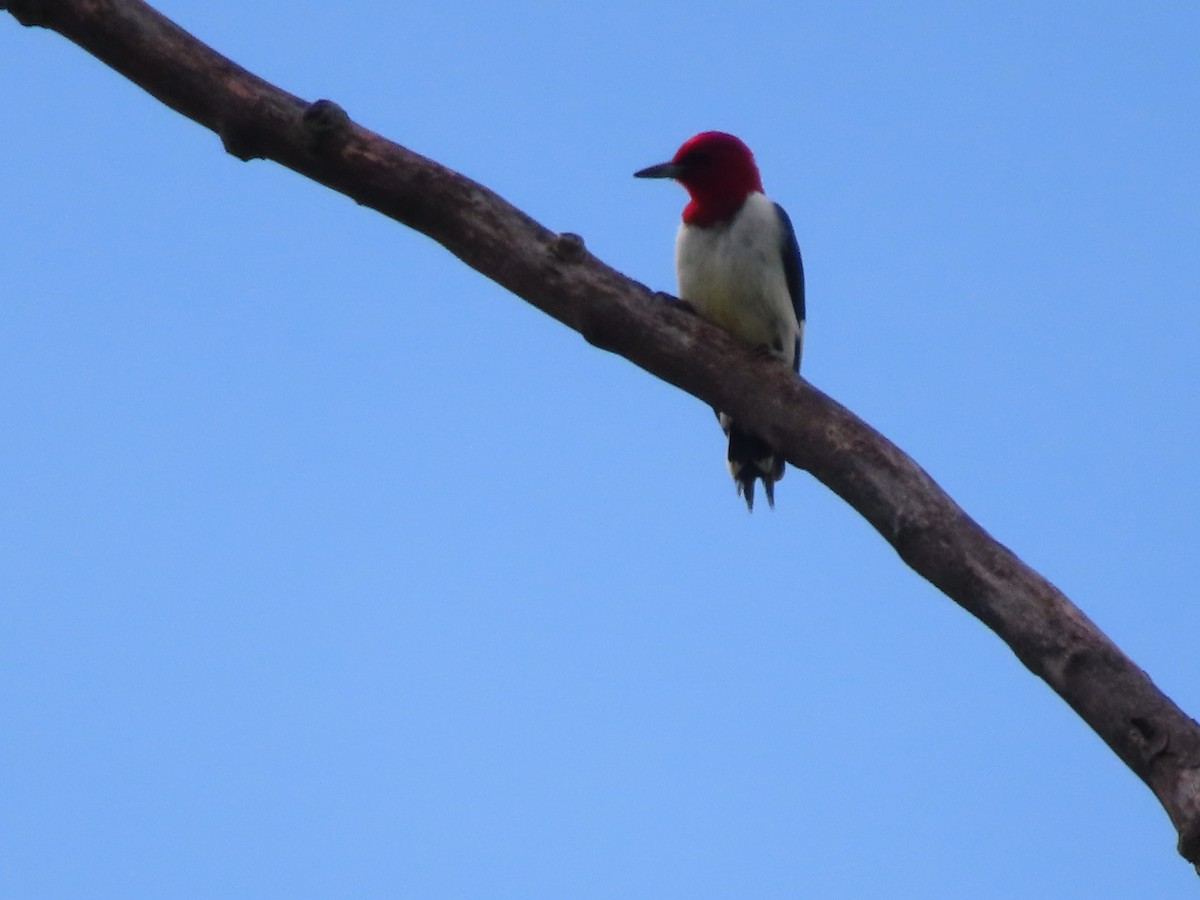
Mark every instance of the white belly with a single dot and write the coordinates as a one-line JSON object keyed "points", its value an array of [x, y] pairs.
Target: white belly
{"points": [[733, 274]]}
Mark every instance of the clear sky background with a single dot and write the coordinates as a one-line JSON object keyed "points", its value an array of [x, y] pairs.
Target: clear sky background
{"points": [[329, 569]]}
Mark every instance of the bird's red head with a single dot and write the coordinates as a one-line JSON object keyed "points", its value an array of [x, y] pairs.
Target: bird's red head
{"points": [[718, 171]]}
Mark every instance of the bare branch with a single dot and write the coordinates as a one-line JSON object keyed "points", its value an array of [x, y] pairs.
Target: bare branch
{"points": [[554, 272]]}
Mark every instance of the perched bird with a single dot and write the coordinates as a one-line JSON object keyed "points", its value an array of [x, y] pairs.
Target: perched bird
{"points": [[738, 265]]}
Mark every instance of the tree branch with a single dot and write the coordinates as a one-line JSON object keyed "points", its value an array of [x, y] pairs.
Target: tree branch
{"points": [[554, 272]]}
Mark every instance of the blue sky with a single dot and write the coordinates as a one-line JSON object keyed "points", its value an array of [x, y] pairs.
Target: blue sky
{"points": [[330, 569]]}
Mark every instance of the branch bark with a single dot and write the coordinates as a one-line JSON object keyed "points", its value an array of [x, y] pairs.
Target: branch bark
{"points": [[555, 273]]}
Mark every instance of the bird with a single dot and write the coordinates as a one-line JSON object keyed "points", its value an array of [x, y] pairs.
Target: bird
{"points": [[738, 265]]}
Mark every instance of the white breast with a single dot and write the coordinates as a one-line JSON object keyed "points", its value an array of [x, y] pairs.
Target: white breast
{"points": [[733, 274]]}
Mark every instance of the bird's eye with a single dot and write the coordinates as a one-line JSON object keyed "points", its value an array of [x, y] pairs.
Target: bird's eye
{"points": [[695, 159]]}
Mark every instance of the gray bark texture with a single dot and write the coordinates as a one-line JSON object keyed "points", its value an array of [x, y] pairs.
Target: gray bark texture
{"points": [[555, 273]]}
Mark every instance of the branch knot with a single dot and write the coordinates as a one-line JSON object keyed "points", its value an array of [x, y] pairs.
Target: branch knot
{"points": [[238, 140], [325, 121], [568, 247]]}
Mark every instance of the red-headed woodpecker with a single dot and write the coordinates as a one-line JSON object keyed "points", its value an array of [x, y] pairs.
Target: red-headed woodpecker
{"points": [[738, 265]]}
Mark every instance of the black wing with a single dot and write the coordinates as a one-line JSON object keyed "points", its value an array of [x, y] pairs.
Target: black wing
{"points": [[793, 269]]}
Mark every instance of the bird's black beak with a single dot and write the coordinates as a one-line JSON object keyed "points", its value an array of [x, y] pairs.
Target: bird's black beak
{"points": [[662, 170]]}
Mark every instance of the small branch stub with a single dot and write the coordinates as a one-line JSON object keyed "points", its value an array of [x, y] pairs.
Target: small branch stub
{"points": [[29, 13], [326, 122], [238, 143], [568, 247]]}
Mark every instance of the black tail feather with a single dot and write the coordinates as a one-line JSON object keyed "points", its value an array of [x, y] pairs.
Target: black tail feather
{"points": [[751, 459]]}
